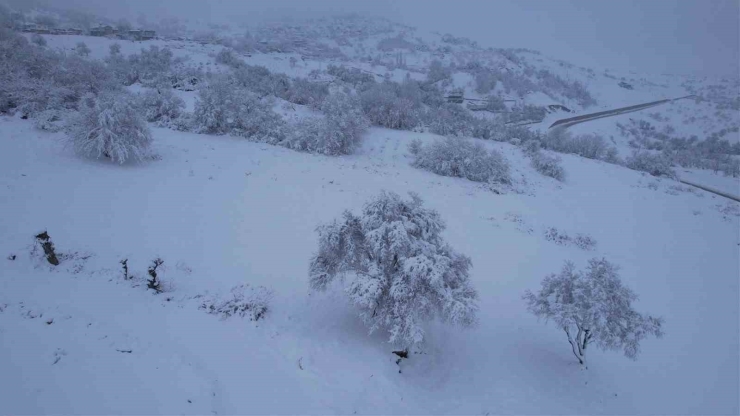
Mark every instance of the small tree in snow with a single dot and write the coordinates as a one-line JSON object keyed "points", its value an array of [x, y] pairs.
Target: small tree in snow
{"points": [[109, 125], [38, 40], [82, 49], [161, 106], [593, 307], [403, 273]]}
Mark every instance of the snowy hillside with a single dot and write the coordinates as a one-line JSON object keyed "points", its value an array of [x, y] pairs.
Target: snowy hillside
{"points": [[271, 141], [222, 212]]}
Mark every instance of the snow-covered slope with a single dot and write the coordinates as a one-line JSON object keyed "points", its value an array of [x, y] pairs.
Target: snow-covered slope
{"points": [[221, 212]]}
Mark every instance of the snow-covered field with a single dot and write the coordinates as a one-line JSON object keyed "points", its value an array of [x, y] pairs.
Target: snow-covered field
{"points": [[222, 212]]}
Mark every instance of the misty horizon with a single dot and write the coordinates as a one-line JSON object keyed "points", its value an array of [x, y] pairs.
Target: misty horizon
{"points": [[679, 37]]}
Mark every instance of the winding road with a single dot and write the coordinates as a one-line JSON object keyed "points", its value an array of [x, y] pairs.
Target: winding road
{"points": [[571, 121]]}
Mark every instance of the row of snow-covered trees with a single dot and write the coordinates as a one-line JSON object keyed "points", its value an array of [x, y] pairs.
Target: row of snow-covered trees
{"points": [[48, 87], [715, 152]]}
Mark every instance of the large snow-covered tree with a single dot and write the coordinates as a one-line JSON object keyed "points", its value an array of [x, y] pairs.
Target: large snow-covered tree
{"points": [[593, 307], [402, 272], [110, 125]]}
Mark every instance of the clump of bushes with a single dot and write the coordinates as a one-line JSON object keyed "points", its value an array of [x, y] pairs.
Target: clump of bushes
{"points": [[582, 241], [461, 158]]}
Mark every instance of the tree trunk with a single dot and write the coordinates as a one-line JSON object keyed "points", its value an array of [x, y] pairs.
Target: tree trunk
{"points": [[576, 345]]}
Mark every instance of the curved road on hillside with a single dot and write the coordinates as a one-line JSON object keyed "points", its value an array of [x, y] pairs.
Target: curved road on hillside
{"points": [[571, 121]]}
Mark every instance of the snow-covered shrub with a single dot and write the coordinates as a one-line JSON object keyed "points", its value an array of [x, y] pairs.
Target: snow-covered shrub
{"points": [[527, 112], [531, 147], [227, 57], [556, 236], [384, 107], [261, 81], [584, 242], [50, 120], [151, 66], [589, 146], [415, 146], [450, 119], [38, 40], [353, 76], [485, 82], [338, 133], [593, 307], [654, 164], [245, 301], [223, 107], [305, 92], [438, 72], [82, 49], [548, 165], [110, 125], [463, 158], [402, 272], [161, 106]]}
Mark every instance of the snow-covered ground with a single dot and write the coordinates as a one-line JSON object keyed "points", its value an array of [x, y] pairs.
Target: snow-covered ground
{"points": [[222, 211]]}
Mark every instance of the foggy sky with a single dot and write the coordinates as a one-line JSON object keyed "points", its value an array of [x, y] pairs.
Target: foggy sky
{"points": [[651, 36]]}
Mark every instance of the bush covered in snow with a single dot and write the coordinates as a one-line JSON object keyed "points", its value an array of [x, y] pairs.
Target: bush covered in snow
{"points": [[226, 56], [402, 272], [463, 158], [353, 76], [51, 120], [593, 307], [261, 81], [385, 107], [547, 165], [38, 40], [589, 146], [224, 107], [450, 119], [582, 241], [82, 49], [110, 125], [654, 164], [161, 106], [305, 92], [338, 133], [151, 67], [438, 72], [245, 301]]}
